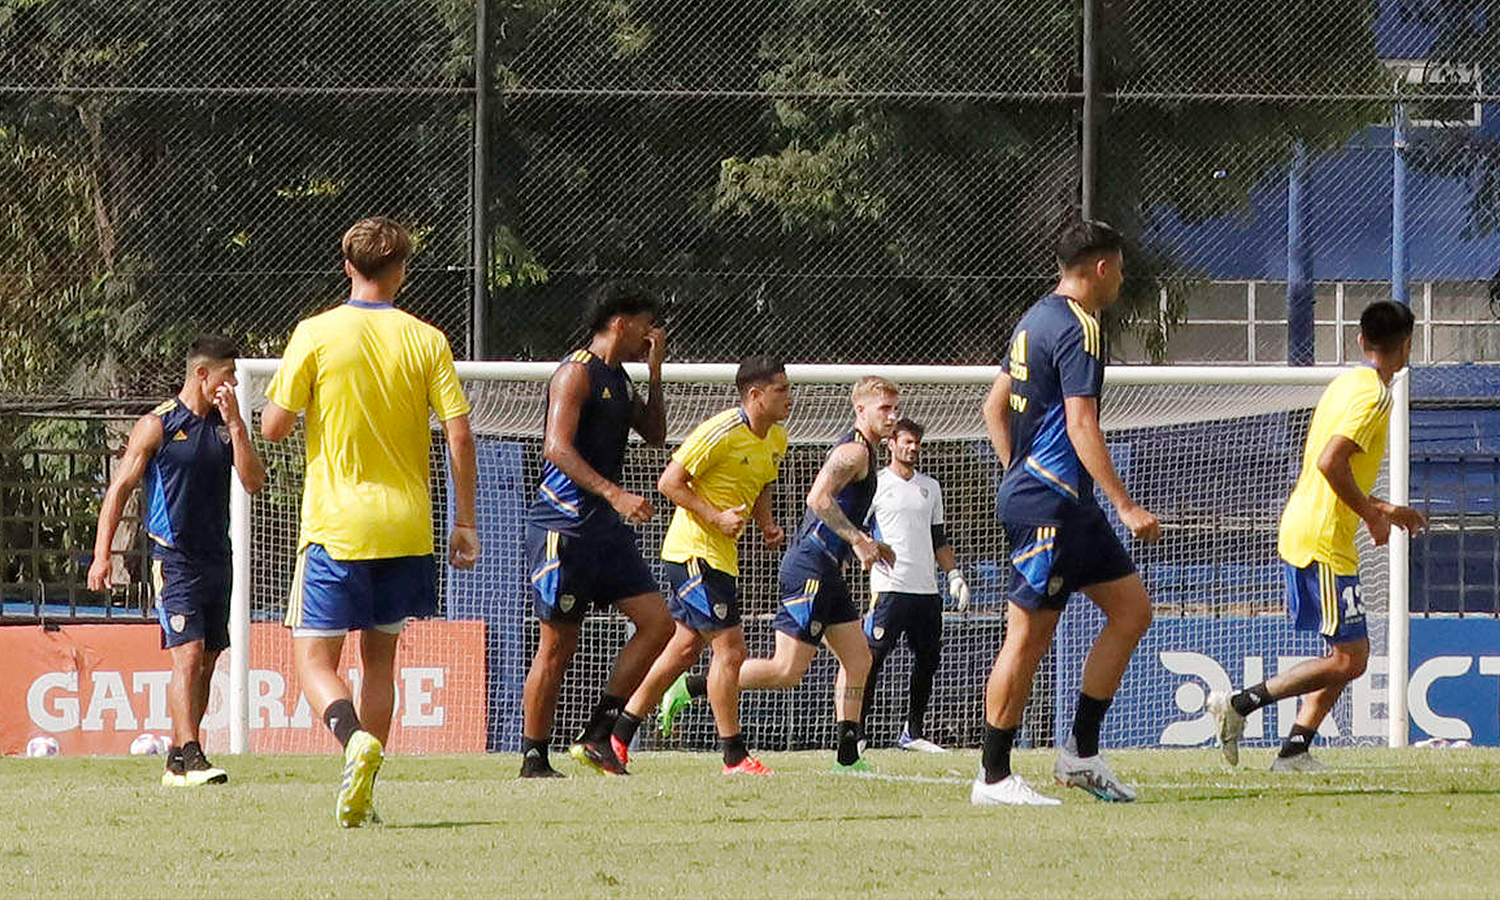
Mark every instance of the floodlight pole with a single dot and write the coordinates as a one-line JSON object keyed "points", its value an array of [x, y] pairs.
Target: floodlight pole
{"points": [[1398, 637], [481, 234], [1090, 98]]}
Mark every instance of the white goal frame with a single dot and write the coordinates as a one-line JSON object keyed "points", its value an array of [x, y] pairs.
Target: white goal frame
{"points": [[1398, 601]]}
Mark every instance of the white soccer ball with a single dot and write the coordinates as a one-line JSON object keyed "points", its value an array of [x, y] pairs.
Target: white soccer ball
{"points": [[148, 745], [43, 745]]}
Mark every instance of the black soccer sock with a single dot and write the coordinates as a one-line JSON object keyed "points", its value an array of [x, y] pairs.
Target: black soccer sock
{"points": [[697, 686], [848, 742], [1250, 699], [877, 661], [626, 726], [733, 748], [534, 753], [996, 753], [174, 760], [918, 696], [1086, 723], [1298, 742], [341, 720], [602, 722]]}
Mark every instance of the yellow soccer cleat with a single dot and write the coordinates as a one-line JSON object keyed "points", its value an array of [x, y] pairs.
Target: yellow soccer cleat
{"points": [[362, 758]]}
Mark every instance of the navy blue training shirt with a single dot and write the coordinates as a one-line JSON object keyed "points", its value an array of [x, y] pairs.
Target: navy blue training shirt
{"points": [[602, 434], [186, 487], [854, 501], [1056, 351]]}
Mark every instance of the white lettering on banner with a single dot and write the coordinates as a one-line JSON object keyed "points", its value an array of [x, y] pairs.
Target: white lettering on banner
{"points": [[66, 716], [1191, 697], [109, 696], [266, 690], [155, 686], [1286, 708], [1416, 696], [302, 715], [216, 717], [415, 683]]}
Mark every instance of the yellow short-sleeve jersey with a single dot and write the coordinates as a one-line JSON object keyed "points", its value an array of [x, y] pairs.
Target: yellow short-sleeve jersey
{"points": [[367, 376], [1316, 525], [728, 466]]}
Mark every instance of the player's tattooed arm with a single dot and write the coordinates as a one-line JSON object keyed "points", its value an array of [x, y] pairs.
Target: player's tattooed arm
{"points": [[845, 465], [650, 420], [569, 390]]}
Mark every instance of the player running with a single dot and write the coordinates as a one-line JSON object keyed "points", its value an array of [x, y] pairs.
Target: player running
{"points": [[719, 478], [1345, 444], [1042, 415], [815, 602], [184, 449], [908, 515], [367, 375], [580, 551]]}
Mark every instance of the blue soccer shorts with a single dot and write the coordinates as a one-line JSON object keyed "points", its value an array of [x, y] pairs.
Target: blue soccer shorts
{"points": [[331, 597], [192, 600], [1318, 600], [813, 594], [702, 598], [1053, 561], [572, 573]]}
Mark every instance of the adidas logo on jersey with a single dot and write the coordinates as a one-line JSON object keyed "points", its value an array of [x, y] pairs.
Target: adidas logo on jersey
{"points": [[180, 436], [606, 395]]}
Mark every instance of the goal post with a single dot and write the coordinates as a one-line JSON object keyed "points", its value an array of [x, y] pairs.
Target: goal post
{"points": [[1212, 450]]}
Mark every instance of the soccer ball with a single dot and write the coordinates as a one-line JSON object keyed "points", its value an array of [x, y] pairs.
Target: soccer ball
{"points": [[43, 745], [148, 745]]}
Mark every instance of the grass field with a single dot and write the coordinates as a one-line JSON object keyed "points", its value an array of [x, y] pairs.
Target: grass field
{"points": [[1417, 823]]}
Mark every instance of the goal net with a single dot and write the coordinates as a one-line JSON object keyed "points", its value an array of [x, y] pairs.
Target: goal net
{"points": [[1212, 451]]}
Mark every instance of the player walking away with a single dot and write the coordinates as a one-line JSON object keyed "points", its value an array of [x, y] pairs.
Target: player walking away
{"points": [[720, 477], [815, 601], [366, 374], [580, 551], [1340, 460], [908, 515], [184, 449], [1042, 415]]}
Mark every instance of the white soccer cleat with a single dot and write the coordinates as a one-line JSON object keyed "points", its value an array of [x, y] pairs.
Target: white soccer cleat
{"points": [[1231, 725], [918, 745], [1011, 790], [1092, 774], [1302, 762]]}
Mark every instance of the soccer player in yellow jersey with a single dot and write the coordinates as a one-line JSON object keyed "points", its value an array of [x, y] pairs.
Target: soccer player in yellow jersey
{"points": [[1345, 444], [367, 375], [719, 478]]}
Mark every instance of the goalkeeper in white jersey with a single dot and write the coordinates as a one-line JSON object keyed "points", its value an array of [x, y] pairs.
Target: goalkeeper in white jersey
{"points": [[907, 514]]}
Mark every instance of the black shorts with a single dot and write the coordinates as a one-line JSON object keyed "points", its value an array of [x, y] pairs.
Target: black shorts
{"points": [[918, 616], [702, 598], [192, 600], [1053, 561], [813, 594], [570, 574]]}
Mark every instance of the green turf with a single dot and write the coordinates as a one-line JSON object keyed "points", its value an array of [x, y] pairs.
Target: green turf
{"points": [[1419, 823]]}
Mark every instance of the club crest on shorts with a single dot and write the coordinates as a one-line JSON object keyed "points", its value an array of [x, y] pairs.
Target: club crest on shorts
{"points": [[566, 601], [1054, 584], [878, 631], [814, 627], [177, 622], [721, 610]]}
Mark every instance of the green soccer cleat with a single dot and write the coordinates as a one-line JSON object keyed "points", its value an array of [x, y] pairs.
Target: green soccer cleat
{"points": [[858, 767], [673, 703], [362, 759]]}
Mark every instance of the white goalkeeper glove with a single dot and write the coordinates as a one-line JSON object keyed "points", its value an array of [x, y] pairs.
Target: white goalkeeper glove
{"points": [[958, 590]]}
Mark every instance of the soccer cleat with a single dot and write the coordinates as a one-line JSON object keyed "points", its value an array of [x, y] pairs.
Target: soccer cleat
{"points": [[173, 779], [362, 758], [599, 756], [917, 745], [1011, 790], [673, 703], [858, 767], [1092, 774], [1301, 762], [622, 751], [1231, 725], [747, 766], [197, 770], [542, 770]]}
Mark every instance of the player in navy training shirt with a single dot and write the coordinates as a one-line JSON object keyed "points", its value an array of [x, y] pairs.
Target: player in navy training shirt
{"points": [[581, 553], [1042, 415], [184, 449]]}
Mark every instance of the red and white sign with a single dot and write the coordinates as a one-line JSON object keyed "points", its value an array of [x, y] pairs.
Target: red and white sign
{"points": [[95, 687]]}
